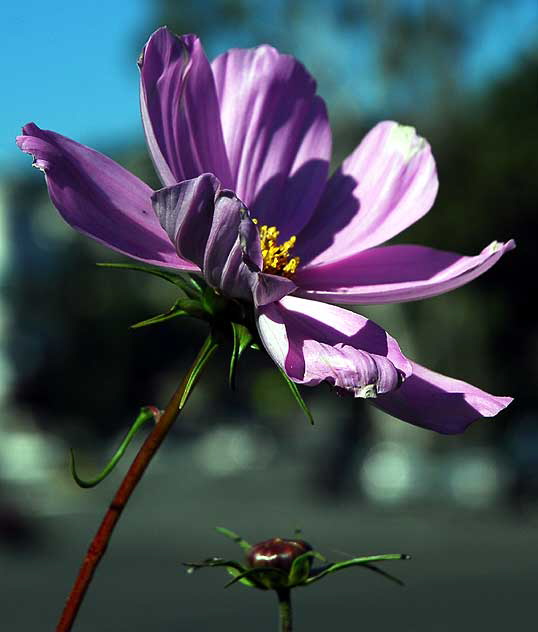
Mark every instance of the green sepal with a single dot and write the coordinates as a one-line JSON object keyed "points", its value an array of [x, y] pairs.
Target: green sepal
{"points": [[182, 307], [146, 414], [207, 350], [300, 568], [242, 337], [160, 318], [192, 287], [366, 562], [197, 282], [235, 537], [256, 575], [298, 397], [214, 303], [242, 579]]}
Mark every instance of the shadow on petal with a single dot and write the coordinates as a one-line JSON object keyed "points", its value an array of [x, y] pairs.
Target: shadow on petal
{"points": [[289, 201], [319, 234], [440, 403]]}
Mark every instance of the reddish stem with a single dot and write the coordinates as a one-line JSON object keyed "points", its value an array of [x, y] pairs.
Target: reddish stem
{"points": [[150, 446]]}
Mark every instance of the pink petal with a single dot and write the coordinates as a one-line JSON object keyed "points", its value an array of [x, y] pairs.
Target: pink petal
{"points": [[180, 110], [393, 274], [384, 186], [315, 342], [440, 403], [99, 198], [276, 133]]}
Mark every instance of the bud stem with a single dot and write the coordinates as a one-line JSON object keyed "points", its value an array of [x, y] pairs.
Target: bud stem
{"points": [[284, 609], [150, 446]]}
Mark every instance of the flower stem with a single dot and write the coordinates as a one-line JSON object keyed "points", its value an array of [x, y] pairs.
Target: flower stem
{"points": [[284, 610], [150, 446]]}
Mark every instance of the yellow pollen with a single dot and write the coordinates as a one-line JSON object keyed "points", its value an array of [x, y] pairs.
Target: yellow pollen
{"points": [[277, 258]]}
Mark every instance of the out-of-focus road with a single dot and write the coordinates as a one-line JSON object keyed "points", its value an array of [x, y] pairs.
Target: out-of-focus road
{"points": [[471, 571]]}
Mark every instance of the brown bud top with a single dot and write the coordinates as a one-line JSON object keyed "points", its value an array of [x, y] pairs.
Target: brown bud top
{"points": [[276, 553]]}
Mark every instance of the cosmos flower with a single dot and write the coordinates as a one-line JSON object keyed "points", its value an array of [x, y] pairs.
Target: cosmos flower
{"points": [[242, 147]]}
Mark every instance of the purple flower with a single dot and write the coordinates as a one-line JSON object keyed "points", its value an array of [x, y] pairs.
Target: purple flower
{"points": [[242, 146]]}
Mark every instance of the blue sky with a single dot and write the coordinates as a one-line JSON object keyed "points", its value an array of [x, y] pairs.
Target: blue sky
{"points": [[70, 66]]}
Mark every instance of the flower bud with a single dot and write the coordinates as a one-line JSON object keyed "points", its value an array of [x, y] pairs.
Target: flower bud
{"points": [[277, 553], [280, 564]]}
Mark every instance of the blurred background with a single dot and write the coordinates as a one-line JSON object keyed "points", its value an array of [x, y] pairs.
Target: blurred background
{"points": [[465, 73]]}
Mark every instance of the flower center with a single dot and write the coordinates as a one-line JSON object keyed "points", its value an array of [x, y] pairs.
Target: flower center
{"points": [[276, 257]]}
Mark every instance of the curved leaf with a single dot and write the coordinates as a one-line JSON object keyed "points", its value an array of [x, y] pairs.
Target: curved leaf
{"points": [[146, 414]]}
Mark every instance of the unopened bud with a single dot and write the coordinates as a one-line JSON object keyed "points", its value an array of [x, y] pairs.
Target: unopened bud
{"points": [[276, 553]]}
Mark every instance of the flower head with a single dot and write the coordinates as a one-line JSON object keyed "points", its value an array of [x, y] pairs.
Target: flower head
{"points": [[242, 147]]}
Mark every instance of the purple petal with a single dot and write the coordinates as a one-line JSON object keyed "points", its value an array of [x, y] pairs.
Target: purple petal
{"points": [[180, 110], [276, 133], [186, 213], [315, 342], [268, 288], [351, 370], [393, 274], [440, 403], [224, 267], [99, 198], [249, 238], [203, 221], [384, 186]]}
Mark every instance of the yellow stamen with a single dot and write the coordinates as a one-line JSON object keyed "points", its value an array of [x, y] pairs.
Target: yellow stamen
{"points": [[277, 258]]}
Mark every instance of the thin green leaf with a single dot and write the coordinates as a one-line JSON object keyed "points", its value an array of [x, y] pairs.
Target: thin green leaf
{"points": [[235, 537], [160, 318], [215, 562], [234, 569], [182, 307], [298, 397], [145, 415], [360, 561], [242, 337], [188, 285]]}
